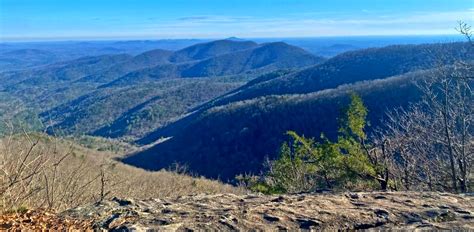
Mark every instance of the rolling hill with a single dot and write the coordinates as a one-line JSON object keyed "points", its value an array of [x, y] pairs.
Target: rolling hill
{"points": [[141, 61], [267, 57], [122, 95], [347, 68], [350, 67], [132, 111], [22, 55], [25, 58], [210, 49], [237, 137], [237, 131], [229, 101], [255, 60]]}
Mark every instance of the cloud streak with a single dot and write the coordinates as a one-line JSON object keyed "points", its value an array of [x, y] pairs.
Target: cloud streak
{"points": [[384, 24], [305, 25]]}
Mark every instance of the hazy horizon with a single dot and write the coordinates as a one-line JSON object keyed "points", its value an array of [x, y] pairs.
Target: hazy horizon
{"points": [[441, 37]]}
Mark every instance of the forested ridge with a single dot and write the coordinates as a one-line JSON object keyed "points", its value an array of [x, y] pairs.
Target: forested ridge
{"points": [[127, 96], [223, 108]]}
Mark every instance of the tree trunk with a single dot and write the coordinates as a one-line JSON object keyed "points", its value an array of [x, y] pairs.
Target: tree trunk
{"points": [[448, 137]]}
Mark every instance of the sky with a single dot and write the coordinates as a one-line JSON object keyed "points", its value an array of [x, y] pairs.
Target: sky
{"points": [[30, 20]]}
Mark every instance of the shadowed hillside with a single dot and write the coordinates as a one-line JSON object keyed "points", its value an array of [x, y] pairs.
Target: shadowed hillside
{"points": [[255, 60], [129, 96], [236, 138], [350, 67], [237, 135], [368, 64]]}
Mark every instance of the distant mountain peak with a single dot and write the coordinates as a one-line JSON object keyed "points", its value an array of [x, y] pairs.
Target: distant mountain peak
{"points": [[235, 39], [210, 49]]}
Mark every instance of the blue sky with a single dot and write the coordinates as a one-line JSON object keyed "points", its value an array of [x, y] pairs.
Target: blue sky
{"points": [[156, 19]]}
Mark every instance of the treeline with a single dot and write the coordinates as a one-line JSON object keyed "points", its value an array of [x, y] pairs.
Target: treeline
{"points": [[225, 141], [426, 146], [306, 164]]}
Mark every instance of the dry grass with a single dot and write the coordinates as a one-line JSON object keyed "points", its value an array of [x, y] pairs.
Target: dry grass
{"points": [[39, 171]]}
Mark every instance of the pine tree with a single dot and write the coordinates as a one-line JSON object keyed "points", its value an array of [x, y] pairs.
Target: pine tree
{"points": [[305, 164]]}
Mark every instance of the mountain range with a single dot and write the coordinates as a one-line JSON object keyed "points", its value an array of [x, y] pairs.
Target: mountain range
{"points": [[150, 89], [236, 132], [222, 107]]}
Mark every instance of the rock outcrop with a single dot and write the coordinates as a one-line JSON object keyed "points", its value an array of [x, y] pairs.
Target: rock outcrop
{"points": [[347, 211]]}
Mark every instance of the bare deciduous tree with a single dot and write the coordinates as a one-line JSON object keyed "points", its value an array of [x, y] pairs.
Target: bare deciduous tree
{"points": [[432, 142]]}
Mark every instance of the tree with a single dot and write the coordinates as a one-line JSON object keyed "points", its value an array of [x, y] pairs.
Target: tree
{"points": [[304, 164], [438, 131], [361, 159]]}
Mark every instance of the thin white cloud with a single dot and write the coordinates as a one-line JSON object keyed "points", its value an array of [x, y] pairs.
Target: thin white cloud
{"points": [[388, 24], [305, 25]]}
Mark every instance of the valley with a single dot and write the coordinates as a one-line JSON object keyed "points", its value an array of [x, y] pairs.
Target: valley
{"points": [[61, 94], [222, 121], [239, 96]]}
